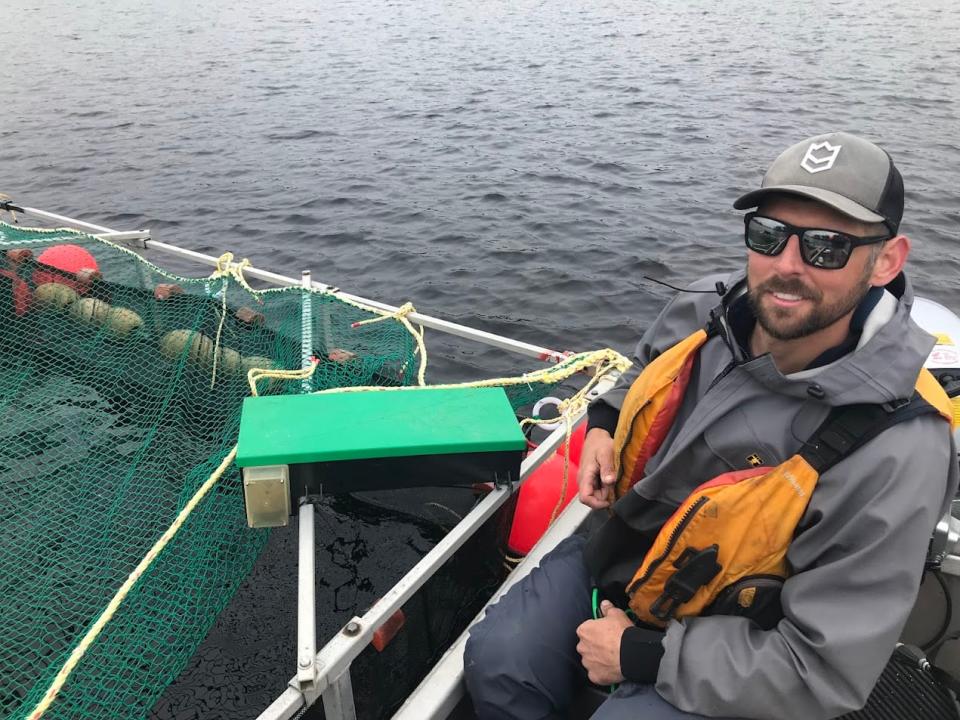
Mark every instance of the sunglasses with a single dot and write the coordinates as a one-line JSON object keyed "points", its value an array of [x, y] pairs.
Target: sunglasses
{"points": [[822, 249]]}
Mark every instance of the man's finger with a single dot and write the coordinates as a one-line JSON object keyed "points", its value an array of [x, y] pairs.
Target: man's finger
{"points": [[586, 479], [595, 502], [588, 486], [605, 460]]}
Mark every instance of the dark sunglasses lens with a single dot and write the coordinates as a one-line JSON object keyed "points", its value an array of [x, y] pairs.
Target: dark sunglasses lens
{"points": [[765, 236], [825, 249]]}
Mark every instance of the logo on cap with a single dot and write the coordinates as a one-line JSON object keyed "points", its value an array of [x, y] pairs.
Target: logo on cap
{"points": [[820, 157]]}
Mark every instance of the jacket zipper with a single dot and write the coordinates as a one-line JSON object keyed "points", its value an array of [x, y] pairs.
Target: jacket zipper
{"points": [[723, 373], [674, 536], [633, 429]]}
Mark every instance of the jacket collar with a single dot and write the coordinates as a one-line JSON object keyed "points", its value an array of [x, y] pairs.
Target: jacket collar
{"points": [[879, 361]]}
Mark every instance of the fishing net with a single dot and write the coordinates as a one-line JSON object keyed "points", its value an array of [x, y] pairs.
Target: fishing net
{"points": [[119, 396]]}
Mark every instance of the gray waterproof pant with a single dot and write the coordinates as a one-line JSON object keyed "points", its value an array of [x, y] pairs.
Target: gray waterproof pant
{"points": [[521, 660]]}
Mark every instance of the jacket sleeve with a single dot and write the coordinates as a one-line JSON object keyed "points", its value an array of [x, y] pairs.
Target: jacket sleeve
{"points": [[680, 317], [857, 562]]}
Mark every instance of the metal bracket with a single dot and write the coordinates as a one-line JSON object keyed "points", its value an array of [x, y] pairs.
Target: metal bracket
{"points": [[312, 498], [131, 238], [504, 482]]}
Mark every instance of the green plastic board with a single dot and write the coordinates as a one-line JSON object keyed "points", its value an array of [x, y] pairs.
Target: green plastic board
{"points": [[292, 429]]}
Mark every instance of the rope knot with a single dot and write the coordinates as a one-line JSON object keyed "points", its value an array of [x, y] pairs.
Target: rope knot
{"points": [[227, 268], [400, 314]]}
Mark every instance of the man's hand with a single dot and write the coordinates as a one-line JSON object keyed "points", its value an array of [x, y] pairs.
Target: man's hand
{"points": [[595, 478], [599, 645]]}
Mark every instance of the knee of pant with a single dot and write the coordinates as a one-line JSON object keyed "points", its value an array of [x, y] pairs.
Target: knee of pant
{"points": [[482, 650], [492, 650], [489, 682]]}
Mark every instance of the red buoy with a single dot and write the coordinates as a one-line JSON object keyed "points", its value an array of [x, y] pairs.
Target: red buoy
{"points": [[75, 265], [537, 500]]}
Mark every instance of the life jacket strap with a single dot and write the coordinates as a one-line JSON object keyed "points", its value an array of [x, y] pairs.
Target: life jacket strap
{"points": [[849, 427], [695, 568]]}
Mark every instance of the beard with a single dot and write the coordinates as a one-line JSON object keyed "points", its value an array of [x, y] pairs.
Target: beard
{"points": [[782, 323]]}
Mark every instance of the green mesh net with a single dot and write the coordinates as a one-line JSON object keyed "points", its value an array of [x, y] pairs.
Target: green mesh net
{"points": [[111, 417], [120, 394]]}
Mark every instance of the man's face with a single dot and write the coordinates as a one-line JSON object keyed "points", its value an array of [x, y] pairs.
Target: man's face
{"points": [[792, 299]]}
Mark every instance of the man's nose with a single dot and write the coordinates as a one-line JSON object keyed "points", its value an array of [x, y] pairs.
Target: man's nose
{"points": [[789, 260]]}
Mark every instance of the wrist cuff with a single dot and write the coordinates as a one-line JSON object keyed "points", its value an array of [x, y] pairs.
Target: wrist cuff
{"points": [[640, 654], [601, 415]]}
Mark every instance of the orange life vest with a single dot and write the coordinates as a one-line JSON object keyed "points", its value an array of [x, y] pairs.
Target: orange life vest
{"points": [[738, 525]]}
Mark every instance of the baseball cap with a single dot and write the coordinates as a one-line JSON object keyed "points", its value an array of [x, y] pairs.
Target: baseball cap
{"points": [[846, 172]]}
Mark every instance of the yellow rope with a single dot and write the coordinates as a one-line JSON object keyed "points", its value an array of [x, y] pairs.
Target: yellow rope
{"points": [[254, 375], [60, 680], [216, 344], [226, 268], [606, 360], [401, 314]]}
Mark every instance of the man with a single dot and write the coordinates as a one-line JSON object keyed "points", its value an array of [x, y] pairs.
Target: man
{"points": [[751, 370]]}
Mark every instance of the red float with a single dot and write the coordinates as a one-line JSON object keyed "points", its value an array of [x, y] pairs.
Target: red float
{"points": [[537, 500], [70, 265]]}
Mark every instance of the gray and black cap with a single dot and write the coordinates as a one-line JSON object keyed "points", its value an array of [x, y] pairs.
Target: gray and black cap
{"points": [[848, 173]]}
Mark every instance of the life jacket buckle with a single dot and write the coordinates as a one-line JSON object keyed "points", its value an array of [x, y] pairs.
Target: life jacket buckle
{"points": [[695, 568], [895, 405]]}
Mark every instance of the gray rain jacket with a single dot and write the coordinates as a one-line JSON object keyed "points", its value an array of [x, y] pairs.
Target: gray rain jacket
{"points": [[859, 553]]}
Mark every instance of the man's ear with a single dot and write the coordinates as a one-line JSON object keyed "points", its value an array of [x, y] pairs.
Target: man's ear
{"points": [[891, 260]]}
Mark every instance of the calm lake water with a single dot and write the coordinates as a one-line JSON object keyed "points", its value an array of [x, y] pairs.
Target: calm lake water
{"points": [[517, 166]]}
